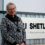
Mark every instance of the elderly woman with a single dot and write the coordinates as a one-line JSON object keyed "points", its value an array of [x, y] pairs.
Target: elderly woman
{"points": [[12, 29]]}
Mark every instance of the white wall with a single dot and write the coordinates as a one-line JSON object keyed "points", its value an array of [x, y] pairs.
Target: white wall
{"points": [[0, 4], [28, 5]]}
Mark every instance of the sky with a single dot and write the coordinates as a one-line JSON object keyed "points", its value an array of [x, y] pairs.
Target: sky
{"points": [[28, 5]]}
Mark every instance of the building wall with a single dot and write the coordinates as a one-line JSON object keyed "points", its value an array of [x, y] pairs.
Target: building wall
{"points": [[0, 4], [1, 15]]}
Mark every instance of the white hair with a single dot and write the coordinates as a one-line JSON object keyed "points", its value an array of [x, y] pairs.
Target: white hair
{"points": [[9, 5]]}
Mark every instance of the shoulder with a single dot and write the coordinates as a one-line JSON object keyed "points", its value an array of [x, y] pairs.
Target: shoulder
{"points": [[19, 19], [4, 19]]}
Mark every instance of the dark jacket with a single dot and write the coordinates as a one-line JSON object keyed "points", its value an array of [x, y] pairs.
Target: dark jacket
{"points": [[12, 30]]}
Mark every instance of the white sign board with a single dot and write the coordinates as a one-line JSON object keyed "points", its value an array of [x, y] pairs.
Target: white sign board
{"points": [[35, 27]]}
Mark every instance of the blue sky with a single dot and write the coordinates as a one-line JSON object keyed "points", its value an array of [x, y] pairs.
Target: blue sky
{"points": [[28, 5]]}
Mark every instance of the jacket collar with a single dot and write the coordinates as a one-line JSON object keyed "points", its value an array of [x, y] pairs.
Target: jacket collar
{"points": [[13, 19]]}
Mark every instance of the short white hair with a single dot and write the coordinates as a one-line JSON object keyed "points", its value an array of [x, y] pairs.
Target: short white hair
{"points": [[9, 5]]}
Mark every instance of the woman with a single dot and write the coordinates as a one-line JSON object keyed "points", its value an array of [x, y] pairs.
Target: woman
{"points": [[12, 30]]}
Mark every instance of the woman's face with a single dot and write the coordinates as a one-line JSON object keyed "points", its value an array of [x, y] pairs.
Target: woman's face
{"points": [[11, 10]]}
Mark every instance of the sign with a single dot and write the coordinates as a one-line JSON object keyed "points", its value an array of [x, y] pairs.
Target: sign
{"points": [[34, 27]]}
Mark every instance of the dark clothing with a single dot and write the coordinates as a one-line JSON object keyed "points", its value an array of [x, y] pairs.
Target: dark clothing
{"points": [[13, 19], [12, 30]]}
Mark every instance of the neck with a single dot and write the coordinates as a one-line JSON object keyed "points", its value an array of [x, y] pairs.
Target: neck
{"points": [[11, 15]]}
